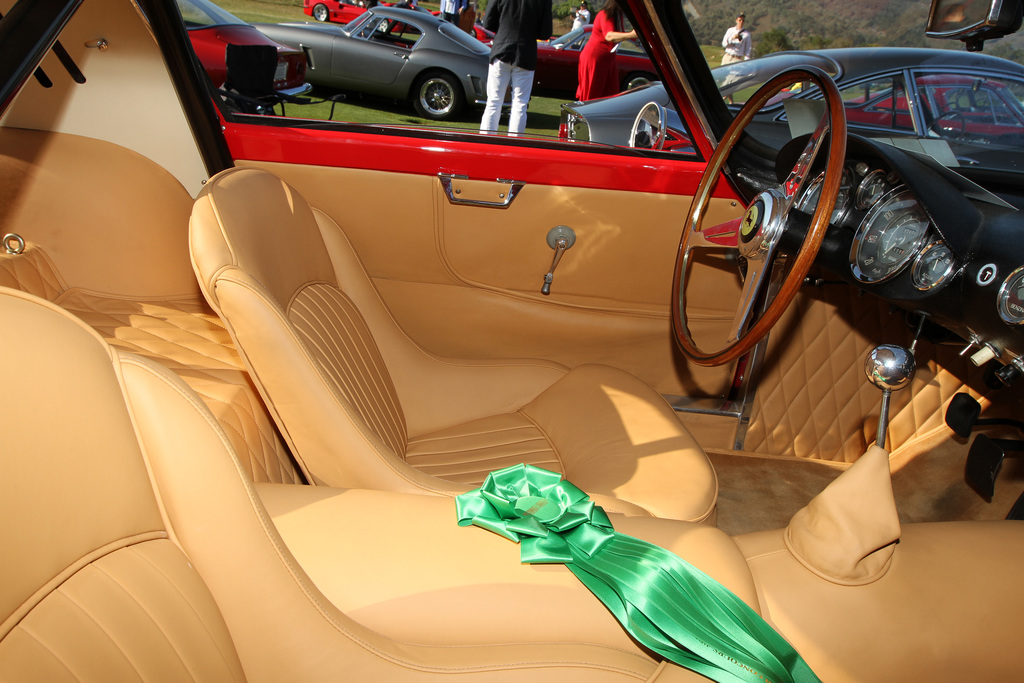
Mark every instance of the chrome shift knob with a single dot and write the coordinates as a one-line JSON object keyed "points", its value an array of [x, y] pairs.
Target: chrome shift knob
{"points": [[890, 367]]}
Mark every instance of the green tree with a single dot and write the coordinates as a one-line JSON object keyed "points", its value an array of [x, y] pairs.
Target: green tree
{"points": [[772, 40], [564, 10]]}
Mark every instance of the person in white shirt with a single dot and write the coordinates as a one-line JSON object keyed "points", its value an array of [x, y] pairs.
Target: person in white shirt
{"points": [[450, 10], [582, 16], [736, 42]]}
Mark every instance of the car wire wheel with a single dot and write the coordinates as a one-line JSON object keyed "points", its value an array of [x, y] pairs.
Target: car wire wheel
{"points": [[320, 12], [438, 97]]}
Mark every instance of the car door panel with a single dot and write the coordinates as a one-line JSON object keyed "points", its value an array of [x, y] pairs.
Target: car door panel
{"points": [[465, 281], [368, 61]]}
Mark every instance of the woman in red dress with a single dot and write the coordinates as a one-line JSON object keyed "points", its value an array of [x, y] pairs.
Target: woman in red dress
{"points": [[598, 75]]}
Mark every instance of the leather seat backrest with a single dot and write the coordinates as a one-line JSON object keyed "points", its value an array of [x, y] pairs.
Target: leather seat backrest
{"points": [[93, 586], [262, 262]]}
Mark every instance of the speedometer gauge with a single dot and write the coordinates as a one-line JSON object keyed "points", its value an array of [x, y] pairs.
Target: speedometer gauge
{"points": [[889, 237], [1011, 298]]}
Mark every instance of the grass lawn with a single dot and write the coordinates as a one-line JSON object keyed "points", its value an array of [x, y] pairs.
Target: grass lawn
{"points": [[542, 116]]}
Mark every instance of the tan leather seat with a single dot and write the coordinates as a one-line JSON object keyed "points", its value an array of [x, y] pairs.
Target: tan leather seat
{"points": [[135, 548], [361, 405]]}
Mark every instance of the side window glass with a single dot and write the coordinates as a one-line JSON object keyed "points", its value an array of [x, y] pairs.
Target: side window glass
{"points": [[881, 102], [971, 108], [367, 29], [578, 44], [631, 47], [396, 33], [393, 65]]}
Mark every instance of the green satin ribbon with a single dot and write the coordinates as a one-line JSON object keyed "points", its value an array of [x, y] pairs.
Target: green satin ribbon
{"points": [[664, 602]]}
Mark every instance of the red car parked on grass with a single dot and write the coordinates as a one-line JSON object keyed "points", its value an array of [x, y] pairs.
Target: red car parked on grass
{"points": [[211, 29], [335, 10], [558, 63]]}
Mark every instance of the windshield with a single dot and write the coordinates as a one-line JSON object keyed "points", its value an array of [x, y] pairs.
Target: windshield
{"points": [[965, 108], [740, 80], [200, 14], [896, 84], [567, 39]]}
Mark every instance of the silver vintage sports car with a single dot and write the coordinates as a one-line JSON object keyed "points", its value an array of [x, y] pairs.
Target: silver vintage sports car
{"points": [[918, 97], [396, 53]]}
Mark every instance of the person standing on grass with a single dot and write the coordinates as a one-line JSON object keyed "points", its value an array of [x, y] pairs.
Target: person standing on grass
{"points": [[598, 73], [518, 25], [450, 10], [736, 42], [582, 16]]}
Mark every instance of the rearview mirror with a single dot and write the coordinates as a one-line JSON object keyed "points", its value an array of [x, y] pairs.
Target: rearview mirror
{"points": [[973, 21]]}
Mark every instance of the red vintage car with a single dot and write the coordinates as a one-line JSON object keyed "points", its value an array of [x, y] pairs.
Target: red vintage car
{"points": [[335, 10], [558, 63], [957, 106], [211, 29]]}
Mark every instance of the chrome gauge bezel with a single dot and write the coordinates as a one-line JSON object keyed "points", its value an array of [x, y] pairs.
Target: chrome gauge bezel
{"points": [[877, 222], [862, 200], [1003, 304], [921, 274], [809, 198]]}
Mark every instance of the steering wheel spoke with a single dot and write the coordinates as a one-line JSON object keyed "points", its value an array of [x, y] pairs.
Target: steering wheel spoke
{"points": [[754, 285], [767, 290], [802, 169], [717, 236]]}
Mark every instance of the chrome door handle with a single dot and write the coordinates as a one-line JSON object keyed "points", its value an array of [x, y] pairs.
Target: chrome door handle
{"points": [[504, 200]]}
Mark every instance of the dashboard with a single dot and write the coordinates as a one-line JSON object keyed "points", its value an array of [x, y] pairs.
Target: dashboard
{"points": [[928, 240]]}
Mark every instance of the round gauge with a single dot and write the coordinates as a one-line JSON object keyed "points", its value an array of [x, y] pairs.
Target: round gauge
{"points": [[933, 266], [1011, 298], [890, 235], [871, 189], [808, 201]]}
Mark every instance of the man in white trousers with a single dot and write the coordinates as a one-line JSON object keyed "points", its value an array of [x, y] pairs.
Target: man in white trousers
{"points": [[518, 25]]}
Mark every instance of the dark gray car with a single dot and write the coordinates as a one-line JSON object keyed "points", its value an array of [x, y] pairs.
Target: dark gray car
{"points": [[968, 103], [395, 53]]}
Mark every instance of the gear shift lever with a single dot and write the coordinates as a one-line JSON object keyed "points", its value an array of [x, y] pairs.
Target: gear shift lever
{"points": [[890, 368]]}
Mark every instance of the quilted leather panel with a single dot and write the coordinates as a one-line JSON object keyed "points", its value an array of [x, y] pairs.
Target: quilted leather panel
{"points": [[813, 400], [336, 335], [140, 613], [32, 272], [187, 337], [467, 453]]}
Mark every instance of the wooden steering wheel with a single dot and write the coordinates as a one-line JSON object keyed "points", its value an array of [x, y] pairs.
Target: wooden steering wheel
{"points": [[757, 234]]}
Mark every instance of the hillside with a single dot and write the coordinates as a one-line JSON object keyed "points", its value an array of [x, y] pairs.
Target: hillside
{"points": [[834, 23]]}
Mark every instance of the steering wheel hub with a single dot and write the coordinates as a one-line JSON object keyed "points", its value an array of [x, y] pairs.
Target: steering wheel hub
{"points": [[762, 226]]}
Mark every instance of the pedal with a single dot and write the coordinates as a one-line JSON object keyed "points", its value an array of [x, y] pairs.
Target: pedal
{"points": [[984, 461], [962, 414]]}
